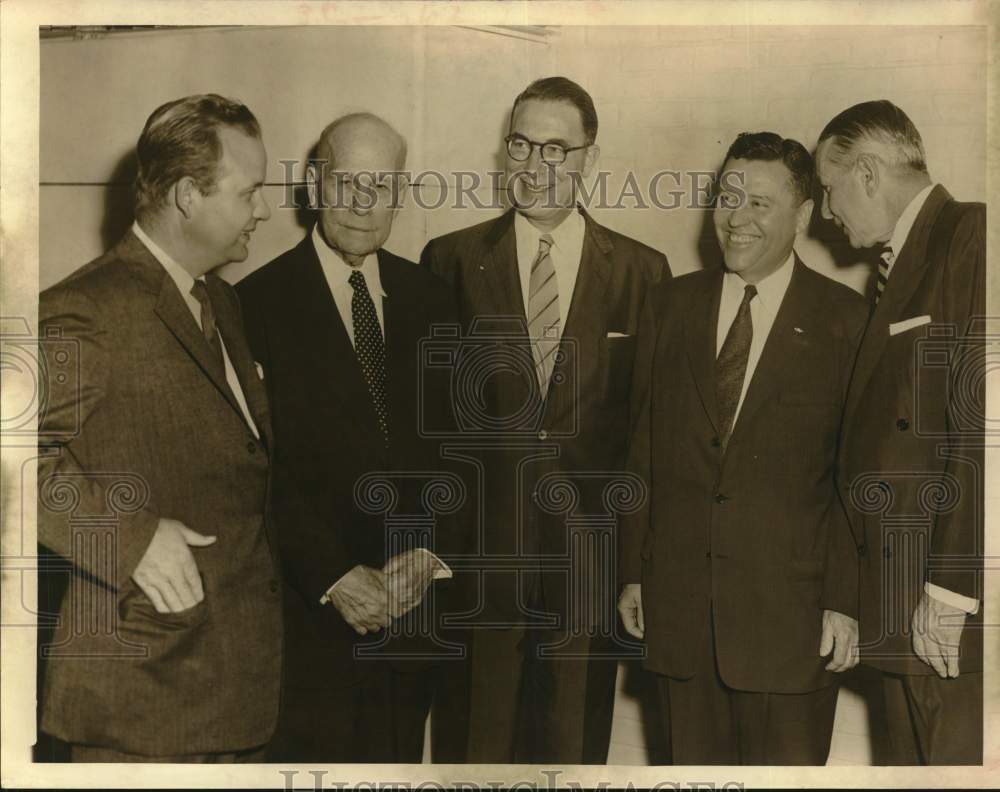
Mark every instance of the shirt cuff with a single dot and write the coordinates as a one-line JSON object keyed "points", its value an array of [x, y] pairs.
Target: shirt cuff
{"points": [[326, 597], [968, 604], [441, 570]]}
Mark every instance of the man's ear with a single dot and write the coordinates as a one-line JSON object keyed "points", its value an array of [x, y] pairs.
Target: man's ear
{"points": [[312, 185], [866, 168], [803, 216], [590, 159], [186, 196]]}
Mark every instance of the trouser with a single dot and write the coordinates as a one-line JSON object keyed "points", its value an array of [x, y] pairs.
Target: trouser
{"points": [[710, 723], [93, 753], [934, 721], [379, 720], [508, 701]]}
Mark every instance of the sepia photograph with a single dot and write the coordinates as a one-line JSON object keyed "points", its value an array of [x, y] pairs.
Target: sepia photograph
{"points": [[484, 395]]}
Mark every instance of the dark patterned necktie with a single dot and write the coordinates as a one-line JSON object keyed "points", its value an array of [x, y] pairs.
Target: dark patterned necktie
{"points": [[731, 365], [208, 326], [369, 347], [885, 262]]}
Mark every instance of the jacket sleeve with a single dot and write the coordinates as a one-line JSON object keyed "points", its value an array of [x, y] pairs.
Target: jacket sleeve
{"points": [[74, 372], [956, 552]]}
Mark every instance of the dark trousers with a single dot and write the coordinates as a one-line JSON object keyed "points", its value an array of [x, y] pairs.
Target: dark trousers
{"points": [[710, 723], [507, 702], [933, 721], [379, 720], [92, 753]]}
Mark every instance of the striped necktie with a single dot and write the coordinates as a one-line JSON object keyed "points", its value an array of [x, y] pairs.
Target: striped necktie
{"points": [[543, 313], [885, 262], [208, 327], [731, 365]]}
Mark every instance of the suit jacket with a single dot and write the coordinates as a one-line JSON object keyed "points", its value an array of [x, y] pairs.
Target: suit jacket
{"points": [[912, 457], [751, 540], [139, 425], [530, 453], [328, 439]]}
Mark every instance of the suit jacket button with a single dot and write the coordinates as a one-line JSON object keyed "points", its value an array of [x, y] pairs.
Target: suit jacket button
{"points": [[862, 550], [252, 447], [708, 554], [902, 424], [715, 442], [720, 498], [273, 586], [542, 435]]}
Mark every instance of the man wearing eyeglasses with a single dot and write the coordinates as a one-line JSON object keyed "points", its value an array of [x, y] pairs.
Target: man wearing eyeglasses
{"points": [[557, 297]]}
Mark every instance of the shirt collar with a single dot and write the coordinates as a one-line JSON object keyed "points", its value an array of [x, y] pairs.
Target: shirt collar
{"points": [[565, 236], [907, 219], [339, 271], [178, 274], [771, 290]]}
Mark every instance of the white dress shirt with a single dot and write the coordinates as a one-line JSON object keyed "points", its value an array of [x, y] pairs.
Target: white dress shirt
{"points": [[899, 235], [337, 271], [185, 283], [763, 308], [566, 251]]}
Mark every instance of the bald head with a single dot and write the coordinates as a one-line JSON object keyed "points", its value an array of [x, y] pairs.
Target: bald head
{"points": [[364, 136]]}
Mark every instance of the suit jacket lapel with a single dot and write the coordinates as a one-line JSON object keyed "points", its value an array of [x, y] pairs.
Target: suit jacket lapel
{"points": [[700, 333], [501, 265], [906, 275], [230, 326], [777, 358], [173, 311]]}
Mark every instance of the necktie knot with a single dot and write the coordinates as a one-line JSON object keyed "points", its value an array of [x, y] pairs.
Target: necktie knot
{"points": [[544, 244], [886, 259], [357, 280], [749, 292], [887, 255]]}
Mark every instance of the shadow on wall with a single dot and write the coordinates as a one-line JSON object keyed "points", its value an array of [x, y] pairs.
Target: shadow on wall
{"points": [[119, 201]]}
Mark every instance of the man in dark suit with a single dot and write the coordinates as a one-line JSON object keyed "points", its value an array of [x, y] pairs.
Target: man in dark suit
{"points": [[153, 472], [742, 574], [549, 302], [336, 322], [911, 458]]}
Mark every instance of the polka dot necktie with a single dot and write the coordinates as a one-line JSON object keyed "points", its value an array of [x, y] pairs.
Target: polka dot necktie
{"points": [[369, 347], [731, 365], [543, 313], [885, 262]]}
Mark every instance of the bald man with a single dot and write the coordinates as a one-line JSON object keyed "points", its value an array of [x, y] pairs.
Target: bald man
{"points": [[336, 323]]}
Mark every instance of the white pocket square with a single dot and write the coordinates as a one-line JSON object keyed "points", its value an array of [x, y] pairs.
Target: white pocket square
{"points": [[908, 324], [260, 370], [613, 334]]}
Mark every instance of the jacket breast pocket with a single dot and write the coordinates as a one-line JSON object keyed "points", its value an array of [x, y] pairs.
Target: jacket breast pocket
{"points": [[619, 354]]}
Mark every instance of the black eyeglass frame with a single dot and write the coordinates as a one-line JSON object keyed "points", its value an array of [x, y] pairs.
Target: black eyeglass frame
{"points": [[533, 144]]}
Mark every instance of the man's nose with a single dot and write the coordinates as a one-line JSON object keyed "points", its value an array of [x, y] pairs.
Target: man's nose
{"points": [[362, 202], [262, 211], [824, 208]]}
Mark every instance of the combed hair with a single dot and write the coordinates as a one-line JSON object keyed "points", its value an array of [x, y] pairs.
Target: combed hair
{"points": [[770, 147], [562, 89], [181, 138], [878, 127]]}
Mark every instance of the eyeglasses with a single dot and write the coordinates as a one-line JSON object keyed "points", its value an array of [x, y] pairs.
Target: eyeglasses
{"points": [[519, 149]]}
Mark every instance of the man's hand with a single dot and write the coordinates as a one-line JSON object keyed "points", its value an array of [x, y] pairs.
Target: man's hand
{"points": [[630, 608], [407, 577], [937, 632], [359, 596], [840, 635], [167, 572]]}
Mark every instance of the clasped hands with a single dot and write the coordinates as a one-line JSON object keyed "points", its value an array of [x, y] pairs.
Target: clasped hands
{"points": [[369, 598]]}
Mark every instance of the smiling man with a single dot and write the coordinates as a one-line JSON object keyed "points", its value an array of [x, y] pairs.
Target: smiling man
{"points": [[564, 295], [741, 573]]}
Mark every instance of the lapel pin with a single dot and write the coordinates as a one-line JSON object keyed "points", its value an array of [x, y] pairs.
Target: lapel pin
{"points": [[798, 330]]}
